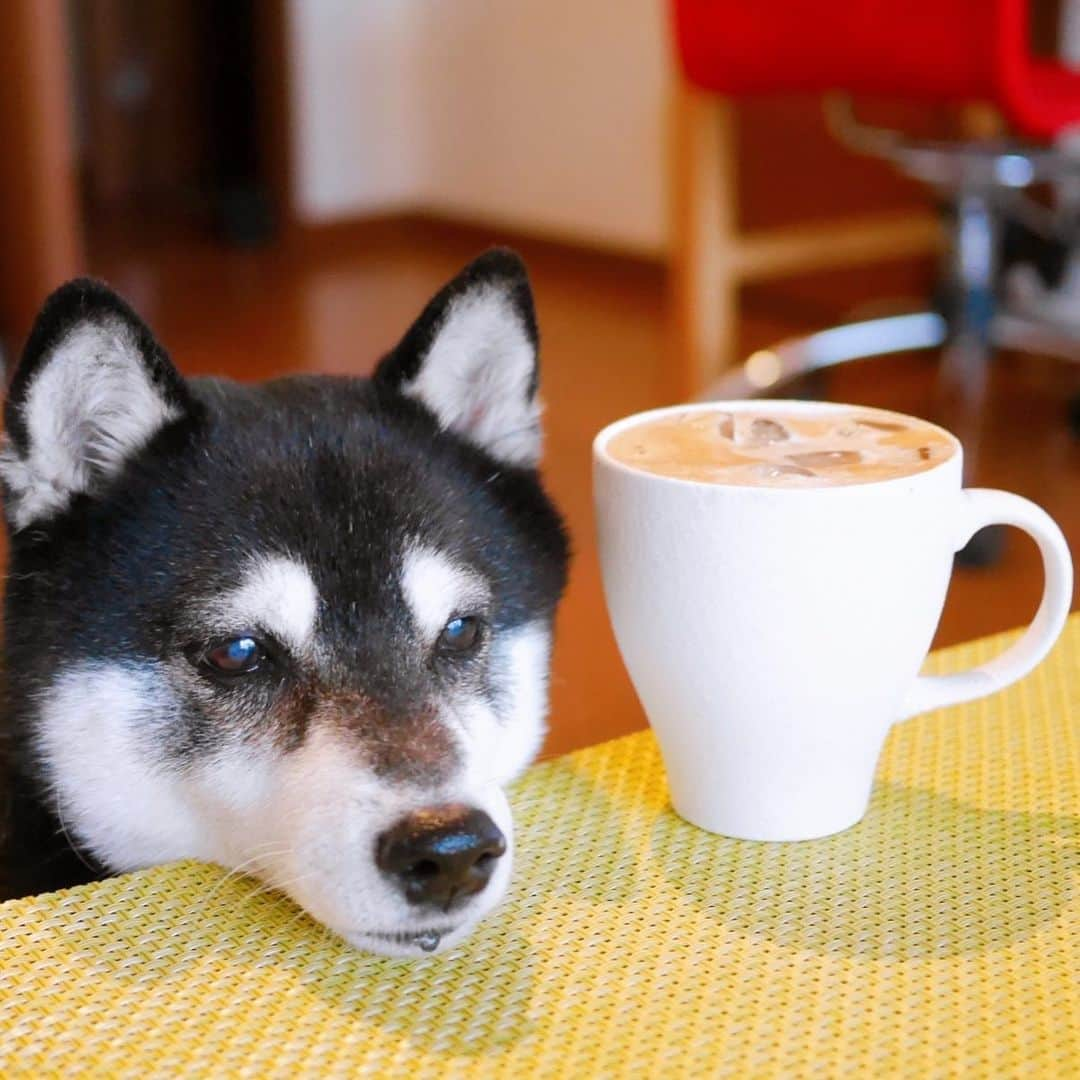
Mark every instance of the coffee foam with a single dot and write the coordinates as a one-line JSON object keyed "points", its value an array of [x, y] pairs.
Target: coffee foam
{"points": [[774, 448]]}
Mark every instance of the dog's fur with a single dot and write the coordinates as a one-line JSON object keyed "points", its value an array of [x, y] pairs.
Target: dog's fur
{"points": [[342, 523]]}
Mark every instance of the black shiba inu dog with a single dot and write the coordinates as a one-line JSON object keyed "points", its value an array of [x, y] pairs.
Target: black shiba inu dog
{"points": [[300, 628]]}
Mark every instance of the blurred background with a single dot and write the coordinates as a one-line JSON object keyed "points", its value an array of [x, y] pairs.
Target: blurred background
{"points": [[279, 185]]}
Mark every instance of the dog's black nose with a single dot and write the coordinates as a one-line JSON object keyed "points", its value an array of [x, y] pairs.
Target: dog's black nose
{"points": [[441, 853]]}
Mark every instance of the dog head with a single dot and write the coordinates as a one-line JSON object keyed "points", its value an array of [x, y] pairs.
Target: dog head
{"points": [[300, 628]]}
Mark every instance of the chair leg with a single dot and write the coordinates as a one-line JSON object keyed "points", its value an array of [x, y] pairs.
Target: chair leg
{"points": [[967, 356], [972, 281], [704, 282]]}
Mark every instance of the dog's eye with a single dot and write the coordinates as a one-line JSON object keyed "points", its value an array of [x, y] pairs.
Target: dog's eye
{"points": [[460, 635], [237, 656]]}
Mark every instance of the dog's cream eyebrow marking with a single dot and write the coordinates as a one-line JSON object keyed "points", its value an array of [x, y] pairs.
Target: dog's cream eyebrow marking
{"points": [[278, 594], [436, 588]]}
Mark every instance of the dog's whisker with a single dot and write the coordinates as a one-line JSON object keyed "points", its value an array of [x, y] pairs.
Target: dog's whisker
{"points": [[264, 850], [281, 898], [226, 876], [269, 849], [244, 866], [260, 889], [275, 886], [71, 843], [301, 912]]}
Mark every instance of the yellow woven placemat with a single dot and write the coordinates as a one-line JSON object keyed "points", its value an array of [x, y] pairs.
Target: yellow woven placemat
{"points": [[937, 938]]}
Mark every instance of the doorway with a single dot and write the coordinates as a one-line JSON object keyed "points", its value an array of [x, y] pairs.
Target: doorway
{"points": [[124, 118]]}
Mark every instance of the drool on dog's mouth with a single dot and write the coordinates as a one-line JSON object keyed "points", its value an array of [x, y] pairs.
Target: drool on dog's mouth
{"points": [[427, 940]]}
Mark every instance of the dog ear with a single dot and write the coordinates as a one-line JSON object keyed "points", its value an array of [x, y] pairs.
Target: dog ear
{"points": [[471, 358], [92, 388]]}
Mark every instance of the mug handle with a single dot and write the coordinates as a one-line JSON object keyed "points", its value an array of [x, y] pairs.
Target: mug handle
{"points": [[981, 507]]}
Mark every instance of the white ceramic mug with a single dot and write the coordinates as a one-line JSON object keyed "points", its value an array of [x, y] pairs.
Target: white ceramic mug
{"points": [[774, 635]]}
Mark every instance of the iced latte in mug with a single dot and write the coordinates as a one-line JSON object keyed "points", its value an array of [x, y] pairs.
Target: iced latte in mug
{"points": [[772, 448], [774, 572]]}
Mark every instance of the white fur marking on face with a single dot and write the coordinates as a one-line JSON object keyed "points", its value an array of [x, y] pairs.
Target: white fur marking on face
{"points": [[436, 588], [99, 738], [523, 658], [477, 373], [91, 407], [101, 735], [278, 595]]}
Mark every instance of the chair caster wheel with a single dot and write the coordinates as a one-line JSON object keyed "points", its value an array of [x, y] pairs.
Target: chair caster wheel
{"points": [[1074, 415], [984, 549]]}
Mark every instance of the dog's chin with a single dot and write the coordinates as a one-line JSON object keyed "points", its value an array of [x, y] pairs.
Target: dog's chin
{"points": [[412, 944], [392, 930], [429, 935]]}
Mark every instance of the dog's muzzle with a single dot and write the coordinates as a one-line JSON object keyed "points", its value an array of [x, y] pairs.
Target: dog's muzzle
{"points": [[441, 856]]}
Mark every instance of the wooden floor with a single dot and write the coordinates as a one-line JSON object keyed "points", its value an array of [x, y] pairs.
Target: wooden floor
{"points": [[336, 307]]}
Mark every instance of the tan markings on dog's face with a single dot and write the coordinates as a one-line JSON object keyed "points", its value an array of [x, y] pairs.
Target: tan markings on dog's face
{"points": [[414, 748]]}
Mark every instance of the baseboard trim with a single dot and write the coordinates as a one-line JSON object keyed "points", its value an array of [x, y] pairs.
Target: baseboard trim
{"points": [[321, 239]]}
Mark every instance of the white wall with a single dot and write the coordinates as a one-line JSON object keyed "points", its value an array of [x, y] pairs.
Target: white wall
{"points": [[542, 115], [355, 106]]}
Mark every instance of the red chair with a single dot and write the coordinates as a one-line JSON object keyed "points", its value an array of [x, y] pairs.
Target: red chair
{"points": [[956, 51], [934, 50]]}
